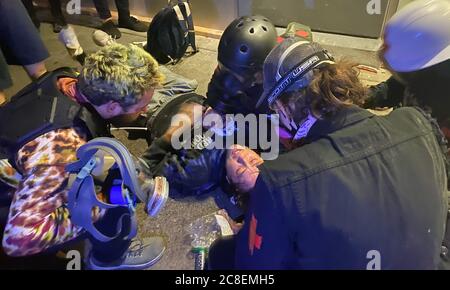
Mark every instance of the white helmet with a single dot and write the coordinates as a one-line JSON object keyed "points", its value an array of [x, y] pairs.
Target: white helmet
{"points": [[418, 36]]}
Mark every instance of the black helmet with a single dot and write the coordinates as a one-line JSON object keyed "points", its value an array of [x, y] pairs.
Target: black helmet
{"points": [[246, 42], [243, 48]]}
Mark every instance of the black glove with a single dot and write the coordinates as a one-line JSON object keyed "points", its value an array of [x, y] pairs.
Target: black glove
{"points": [[386, 94]]}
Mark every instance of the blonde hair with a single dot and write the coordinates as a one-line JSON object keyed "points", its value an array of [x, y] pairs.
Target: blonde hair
{"points": [[120, 73]]}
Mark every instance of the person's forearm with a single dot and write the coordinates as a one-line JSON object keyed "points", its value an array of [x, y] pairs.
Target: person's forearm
{"points": [[8, 174], [157, 154], [386, 94]]}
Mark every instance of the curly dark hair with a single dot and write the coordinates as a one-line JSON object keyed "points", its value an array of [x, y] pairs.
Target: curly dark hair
{"points": [[332, 87]]}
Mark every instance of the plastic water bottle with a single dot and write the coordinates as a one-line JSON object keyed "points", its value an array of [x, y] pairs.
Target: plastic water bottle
{"points": [[204, 231]]}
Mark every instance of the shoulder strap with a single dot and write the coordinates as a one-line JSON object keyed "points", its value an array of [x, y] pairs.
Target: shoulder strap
{"points": [[47, 109], [184, 15], [190, 23], [42, 104]]}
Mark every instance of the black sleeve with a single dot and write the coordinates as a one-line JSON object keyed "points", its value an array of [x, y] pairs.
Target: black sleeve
{"points": [[386, 94], [189, 172], [157, 155], [5, 77], [263, 242], [20, 41]]}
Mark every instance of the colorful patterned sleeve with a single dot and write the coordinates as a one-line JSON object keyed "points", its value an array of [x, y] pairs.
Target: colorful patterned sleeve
{"points": [[8, 174], [39, 217]]}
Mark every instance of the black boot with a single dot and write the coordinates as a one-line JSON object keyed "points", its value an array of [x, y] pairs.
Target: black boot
{"points": [[110, 28], [57, 27], [133, 24]]}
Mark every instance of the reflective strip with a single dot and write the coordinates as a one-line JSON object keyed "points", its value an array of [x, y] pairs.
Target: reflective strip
{"points": [[52, 113], [285, 54], [188, 9], [177, 10]]}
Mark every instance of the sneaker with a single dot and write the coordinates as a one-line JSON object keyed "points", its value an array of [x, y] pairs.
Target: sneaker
{"points": [[57, 27], [141, 255], [110, 28], [133, 23], [70, 40], [102, 38]]}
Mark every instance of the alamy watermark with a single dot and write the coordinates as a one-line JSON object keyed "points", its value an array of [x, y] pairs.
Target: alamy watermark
{"points": [[214, 131], [74, 263], [374, 257], [374, 7], [73, 7]]}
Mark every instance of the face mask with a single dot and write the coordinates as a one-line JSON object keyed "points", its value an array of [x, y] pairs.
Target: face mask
{"points": [[305, 127], [299, 130]]}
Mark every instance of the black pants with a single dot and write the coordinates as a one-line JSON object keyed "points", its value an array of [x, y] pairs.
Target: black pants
{"points": [[123, 8], [113, 250], [222, 253], [31, 12], [55, 8], [20, 42], [5, 77]]}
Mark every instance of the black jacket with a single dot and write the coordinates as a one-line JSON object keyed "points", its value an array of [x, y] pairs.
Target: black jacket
{"points": [[365, 187], [196, 171], [189, 172]]}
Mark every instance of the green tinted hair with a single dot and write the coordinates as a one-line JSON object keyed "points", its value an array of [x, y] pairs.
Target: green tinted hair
{"points": [[120, 73]]}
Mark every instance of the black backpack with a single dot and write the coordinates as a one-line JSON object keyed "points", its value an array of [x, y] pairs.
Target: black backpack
{"points": [[171, 32], [46, 109]]}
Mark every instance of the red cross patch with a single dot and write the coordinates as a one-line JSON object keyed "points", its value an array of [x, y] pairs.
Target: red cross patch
{"points": [[254, 240]]}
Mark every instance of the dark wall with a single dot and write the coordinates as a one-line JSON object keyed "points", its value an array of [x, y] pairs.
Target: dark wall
{"points": [[348, 17]]}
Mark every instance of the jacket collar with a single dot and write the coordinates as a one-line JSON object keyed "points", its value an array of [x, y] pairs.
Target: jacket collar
{"points": [[343, 118]]}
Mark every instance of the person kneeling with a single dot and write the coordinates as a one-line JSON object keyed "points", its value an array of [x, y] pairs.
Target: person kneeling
{"points": [[64, 111], [350, 180]]}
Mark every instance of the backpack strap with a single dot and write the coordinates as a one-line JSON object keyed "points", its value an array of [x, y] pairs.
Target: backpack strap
{"points": [[190, 24], [184, 15]]}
